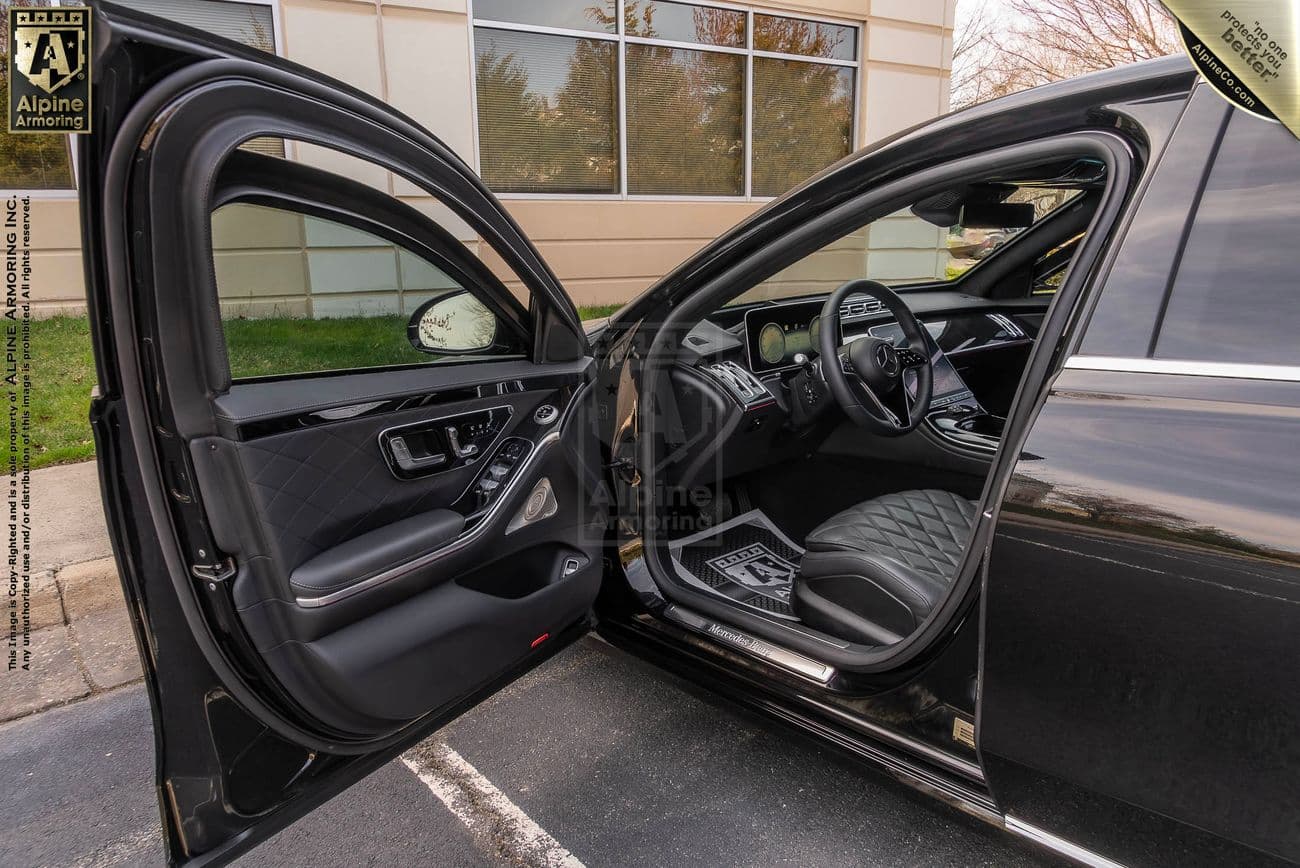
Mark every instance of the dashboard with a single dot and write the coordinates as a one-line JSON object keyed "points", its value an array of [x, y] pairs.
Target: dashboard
{"points": [[774, 334], [735, 373]]}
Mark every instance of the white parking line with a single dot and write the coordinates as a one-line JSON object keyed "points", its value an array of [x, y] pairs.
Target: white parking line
{"points": [[485, 810]]}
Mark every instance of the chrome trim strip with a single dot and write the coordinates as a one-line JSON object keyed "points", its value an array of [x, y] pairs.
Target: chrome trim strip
{"points": [[929, 752], [1228, 370], [465, 539], [1007, 323], [1059, 845], [731, 637]]}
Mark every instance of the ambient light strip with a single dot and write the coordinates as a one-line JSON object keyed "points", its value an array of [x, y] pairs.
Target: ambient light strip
{"points": [[1228, 370]]}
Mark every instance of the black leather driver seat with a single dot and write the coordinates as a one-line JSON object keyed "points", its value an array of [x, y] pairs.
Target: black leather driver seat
{"points": [[874, 571]]}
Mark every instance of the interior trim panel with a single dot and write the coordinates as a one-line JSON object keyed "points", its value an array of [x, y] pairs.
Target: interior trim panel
{"points": [[298, 403], [488, 520]]}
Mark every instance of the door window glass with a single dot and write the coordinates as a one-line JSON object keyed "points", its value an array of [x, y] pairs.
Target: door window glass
{"points": [[301, 294], [1234, 297]]}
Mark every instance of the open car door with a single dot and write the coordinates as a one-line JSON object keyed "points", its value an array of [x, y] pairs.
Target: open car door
{"points": [[331, 545]]}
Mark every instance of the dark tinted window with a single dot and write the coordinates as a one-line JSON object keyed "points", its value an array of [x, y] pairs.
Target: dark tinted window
{"points": [[1134, 289], [1235, 298]]}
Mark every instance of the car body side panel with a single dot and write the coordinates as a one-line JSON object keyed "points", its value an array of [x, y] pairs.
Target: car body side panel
{"points": [[1143, 619]]}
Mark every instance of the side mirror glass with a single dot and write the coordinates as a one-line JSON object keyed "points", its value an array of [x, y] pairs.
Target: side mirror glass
{"points": [[457, 323]]}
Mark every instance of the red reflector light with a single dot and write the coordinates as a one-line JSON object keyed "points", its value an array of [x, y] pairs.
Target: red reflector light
{"points": [[540, 639]]}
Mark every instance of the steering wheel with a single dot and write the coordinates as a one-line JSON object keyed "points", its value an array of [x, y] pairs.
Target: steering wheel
{"points": [[866, 376]]}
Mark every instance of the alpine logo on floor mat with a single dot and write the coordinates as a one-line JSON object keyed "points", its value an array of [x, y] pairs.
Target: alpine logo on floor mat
{"points": [[745, 559], [755, 566]]}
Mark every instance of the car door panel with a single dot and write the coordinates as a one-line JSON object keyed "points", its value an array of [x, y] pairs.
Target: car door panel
{"points": [[1140, 619], [309, 598], [325, 497]]}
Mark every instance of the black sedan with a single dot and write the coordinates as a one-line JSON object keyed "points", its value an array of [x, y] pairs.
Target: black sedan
{"points": [[1025, 536]]}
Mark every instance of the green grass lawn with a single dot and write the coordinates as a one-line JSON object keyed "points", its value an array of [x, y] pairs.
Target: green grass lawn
{"points": [[63, 371]]}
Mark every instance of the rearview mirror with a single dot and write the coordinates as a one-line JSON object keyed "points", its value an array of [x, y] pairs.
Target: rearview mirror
{"points": [[996, 215], [452, 324]]}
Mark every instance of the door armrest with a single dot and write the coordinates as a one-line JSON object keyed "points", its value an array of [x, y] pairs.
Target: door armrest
{"points": [[381, 549]]}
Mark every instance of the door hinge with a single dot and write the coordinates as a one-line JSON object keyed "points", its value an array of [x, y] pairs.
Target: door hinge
{"points": [[214, 572]]}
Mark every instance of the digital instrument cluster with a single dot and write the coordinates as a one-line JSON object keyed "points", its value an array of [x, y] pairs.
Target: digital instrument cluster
{"points": [[775, 334]]}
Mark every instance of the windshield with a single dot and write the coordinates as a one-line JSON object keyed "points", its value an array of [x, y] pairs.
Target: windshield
{"points": [[902, 249]]}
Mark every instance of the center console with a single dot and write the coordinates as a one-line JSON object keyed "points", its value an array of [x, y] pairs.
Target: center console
{"points": [[955, 414], [967, 426]]}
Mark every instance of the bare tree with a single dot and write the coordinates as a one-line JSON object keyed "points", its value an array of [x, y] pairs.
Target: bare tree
{"points": [[972, 49], [1039, 41]]}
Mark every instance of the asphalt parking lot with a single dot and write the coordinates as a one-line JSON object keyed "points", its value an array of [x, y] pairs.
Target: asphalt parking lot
{"points": [[597, 758]]}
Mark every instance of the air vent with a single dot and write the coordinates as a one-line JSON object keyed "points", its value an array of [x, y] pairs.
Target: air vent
{"points": [[741, 383], [857, 308]]}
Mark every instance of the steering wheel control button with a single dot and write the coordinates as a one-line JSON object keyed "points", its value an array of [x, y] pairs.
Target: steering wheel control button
{"points": [[546, 414], [910, 358]]}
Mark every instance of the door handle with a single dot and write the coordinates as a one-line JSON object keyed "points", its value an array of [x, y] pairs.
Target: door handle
{"points": [[460, 451], [405, 460]]}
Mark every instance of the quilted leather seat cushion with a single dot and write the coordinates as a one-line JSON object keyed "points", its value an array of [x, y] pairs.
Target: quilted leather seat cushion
{"points": [[874, 571]]}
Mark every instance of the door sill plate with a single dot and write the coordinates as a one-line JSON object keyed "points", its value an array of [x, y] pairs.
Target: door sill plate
{"points": [[731, 637]]}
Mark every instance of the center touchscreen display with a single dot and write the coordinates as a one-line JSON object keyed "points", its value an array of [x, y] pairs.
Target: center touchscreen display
{"points": [[948, 384]]}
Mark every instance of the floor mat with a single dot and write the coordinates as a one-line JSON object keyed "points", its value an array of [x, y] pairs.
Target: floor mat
{"points": [[746, 559]]}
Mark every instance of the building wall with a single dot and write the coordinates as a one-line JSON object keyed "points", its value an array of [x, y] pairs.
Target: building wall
{"points": [[416, 55]]}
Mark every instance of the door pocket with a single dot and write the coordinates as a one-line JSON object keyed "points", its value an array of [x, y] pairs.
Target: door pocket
{"points": [[527, 573]]}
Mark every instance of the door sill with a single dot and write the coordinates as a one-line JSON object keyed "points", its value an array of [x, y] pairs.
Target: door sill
{"points": [[733, 637]]}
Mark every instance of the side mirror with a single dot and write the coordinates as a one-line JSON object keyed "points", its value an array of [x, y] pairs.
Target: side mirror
{"points": [[452, 324]]}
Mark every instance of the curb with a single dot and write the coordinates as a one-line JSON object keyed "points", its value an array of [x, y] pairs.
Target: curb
{"points": [[80, 644]]}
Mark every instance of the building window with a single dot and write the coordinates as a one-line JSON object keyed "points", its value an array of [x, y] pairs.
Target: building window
{"points": [[658, 98]]}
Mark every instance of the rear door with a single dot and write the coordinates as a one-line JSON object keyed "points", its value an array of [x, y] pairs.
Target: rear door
{"points": [[1142, 603], [347, 466]]}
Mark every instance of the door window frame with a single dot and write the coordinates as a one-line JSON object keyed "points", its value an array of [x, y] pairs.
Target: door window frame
{"points": [[785, 243]]}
